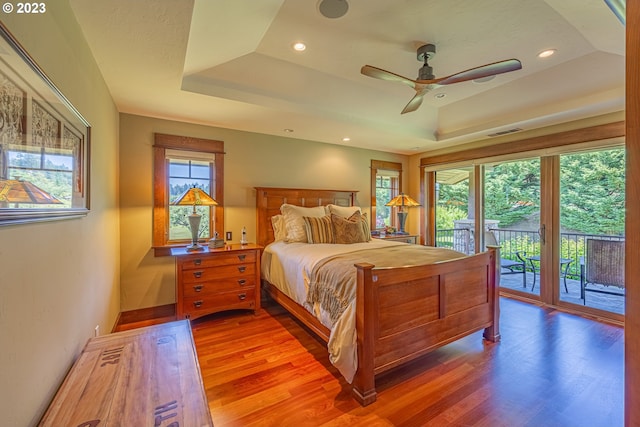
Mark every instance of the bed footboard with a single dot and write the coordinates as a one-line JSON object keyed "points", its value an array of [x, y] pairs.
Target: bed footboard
{"points": [[404, 313]]}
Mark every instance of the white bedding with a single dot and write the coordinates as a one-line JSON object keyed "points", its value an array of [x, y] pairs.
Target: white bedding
{"points": [[288, 266]]}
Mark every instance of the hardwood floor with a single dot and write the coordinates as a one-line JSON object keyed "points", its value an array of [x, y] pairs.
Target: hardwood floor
{"points": [[550, 369]]}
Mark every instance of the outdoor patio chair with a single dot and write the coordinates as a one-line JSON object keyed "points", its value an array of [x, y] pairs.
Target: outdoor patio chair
{"points": [[602, 268], [509, 266]]}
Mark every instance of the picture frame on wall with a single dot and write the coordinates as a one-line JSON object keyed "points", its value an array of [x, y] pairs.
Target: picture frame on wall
{"points": [[44, 143]]}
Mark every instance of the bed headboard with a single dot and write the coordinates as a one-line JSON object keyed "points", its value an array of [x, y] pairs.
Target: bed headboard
{"points": [[269, 200]]}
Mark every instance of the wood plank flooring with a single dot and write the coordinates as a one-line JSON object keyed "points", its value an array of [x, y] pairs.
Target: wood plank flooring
{"points": [[550, 369]]}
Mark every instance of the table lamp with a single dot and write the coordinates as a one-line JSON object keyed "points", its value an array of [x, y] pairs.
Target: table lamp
{"points": [[196, 197], [402, 201]]}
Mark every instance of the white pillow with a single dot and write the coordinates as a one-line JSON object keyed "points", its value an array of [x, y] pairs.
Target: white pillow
{"points": [[294, 222], [279, 229], [343, 211]]}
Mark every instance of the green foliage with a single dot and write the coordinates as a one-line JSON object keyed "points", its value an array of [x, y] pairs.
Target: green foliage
{"points": [[592, 195], [512, 191], [447, 214], [592, 192]]}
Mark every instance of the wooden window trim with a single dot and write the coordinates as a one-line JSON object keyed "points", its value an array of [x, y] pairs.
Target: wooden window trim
{"points": [[375, 166], [163, 142]]}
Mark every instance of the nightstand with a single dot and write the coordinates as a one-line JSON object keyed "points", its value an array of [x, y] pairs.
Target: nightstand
{"points": [[407, 238], [216, 280]]}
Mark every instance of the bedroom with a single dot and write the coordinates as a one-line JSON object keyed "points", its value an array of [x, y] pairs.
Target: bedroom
{"points": [[109, 248]]}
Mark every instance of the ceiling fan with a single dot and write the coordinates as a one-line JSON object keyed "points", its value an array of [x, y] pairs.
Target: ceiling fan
{"points": [[426, 81]]}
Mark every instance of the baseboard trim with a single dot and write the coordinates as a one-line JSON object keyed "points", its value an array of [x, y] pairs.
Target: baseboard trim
{"points": [[145, 317]]}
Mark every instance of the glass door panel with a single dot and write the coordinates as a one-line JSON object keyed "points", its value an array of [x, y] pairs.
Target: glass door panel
{"points": [[512, 218], [592, 229], [455, 218]]}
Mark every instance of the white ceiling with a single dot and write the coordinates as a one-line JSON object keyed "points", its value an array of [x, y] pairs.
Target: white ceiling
{"points": [[230, 63]]}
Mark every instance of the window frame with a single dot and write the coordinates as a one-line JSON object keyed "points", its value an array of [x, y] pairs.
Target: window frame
{"points": [[162, 143], [376, 166]]}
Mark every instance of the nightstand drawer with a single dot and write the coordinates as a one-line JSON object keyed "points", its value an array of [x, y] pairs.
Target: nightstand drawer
{"points": [[209, 274], [238, 284], [219, 302], [221, 258]]}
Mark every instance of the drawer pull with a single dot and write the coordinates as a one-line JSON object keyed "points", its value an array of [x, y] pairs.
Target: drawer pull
{"points": [[242, 257], [242, 297], [197, 304], [198, 288], [197, 261], [197, 274], [242, 282], [242, 268]]}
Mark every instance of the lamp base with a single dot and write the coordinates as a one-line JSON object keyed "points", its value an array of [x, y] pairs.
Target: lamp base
{"points": [[194, 224], [194, 248], [402, 218]]}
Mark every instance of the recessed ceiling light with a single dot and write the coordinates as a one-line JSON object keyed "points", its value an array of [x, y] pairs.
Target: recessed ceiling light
{"points": [[546, 53], [299, 46], [346, 139], [439, 95], [288, 130]]}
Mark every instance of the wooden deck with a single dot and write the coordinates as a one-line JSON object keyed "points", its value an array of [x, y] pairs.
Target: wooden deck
{"points": [[550, 369], [612, 303]]}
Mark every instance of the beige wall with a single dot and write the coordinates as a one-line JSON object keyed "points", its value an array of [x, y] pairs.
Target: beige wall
{"points": [[251, 160], [58, 280]]}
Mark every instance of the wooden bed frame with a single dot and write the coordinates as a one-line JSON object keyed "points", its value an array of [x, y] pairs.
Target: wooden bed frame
{"points": [[401, 313]]}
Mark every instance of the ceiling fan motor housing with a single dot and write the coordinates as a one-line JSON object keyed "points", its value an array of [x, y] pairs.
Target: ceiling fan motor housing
{"points": [[424, 54]]}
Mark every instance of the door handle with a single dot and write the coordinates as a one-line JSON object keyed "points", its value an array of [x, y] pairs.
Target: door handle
{"points": [[541, 233]]}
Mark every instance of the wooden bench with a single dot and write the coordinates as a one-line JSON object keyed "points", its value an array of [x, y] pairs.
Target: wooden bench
{"points": [[143, 377]]}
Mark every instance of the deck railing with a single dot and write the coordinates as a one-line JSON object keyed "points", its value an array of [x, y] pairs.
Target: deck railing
{"points": [[526, 242]]}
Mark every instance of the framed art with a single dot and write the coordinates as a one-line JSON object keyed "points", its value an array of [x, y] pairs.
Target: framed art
{"points": [[44, 143]]}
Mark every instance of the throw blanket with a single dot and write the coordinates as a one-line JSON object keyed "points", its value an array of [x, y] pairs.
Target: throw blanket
{"points": [[332, 285]]}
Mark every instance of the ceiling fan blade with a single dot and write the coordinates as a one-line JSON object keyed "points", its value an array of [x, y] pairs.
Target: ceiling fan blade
{"points": [[477, 73], [379, 73], [415, 102]]}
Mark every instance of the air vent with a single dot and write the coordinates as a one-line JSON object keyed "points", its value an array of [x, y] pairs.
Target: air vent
{"points": [[505, 132]]}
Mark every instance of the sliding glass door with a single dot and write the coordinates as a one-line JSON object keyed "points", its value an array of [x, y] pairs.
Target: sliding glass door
{"points": [[592, 203], [454, 207], [512, 220]]}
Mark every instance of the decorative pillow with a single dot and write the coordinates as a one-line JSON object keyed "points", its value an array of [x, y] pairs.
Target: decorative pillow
{"points": [[348, 230], [319, 230], [279, 230], [366, 228], [343, 211], [294, 223]]}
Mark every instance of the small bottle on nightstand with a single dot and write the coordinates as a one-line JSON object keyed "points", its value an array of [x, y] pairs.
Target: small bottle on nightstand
{"points": [[243, 240]]}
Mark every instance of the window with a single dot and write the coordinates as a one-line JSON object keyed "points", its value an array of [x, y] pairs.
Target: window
{"points": [[181, 163], [386, 181]]}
